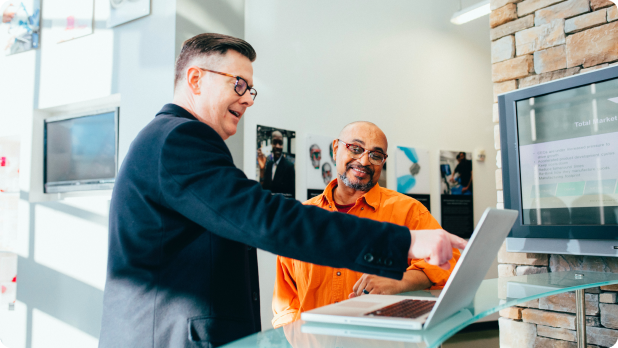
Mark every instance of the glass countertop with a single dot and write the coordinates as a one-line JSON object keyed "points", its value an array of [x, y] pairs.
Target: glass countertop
{"points": [[492, 296]]}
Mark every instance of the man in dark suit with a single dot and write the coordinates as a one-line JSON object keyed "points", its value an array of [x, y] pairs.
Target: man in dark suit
{"points": [[185, 222], [283, 180]]}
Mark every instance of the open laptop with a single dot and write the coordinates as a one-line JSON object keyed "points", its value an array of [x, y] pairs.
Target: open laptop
{"points": [[416, 313]]}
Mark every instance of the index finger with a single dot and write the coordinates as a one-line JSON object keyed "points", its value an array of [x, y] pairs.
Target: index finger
{"points": [[457, 242], [355, 287]]}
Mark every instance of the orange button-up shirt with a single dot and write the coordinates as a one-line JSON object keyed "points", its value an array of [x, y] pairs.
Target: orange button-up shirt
{"points": [[302, 286]]}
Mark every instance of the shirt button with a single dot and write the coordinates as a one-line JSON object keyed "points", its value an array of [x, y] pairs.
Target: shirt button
{"points": [[255, 296], [363, 208], [336, 301], [330, 206], [368, 257], [338, 274]]}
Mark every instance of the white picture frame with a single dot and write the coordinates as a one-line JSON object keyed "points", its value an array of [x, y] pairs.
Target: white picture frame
{"points": [[123, 11]]}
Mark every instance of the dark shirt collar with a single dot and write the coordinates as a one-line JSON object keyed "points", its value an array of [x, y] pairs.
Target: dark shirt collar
{"points": [[179, 111], [173, 109]]}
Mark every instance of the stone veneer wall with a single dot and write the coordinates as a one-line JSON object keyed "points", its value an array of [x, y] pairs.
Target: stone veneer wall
{"points": [[536, 41]]}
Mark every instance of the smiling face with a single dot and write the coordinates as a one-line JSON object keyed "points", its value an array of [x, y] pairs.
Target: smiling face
{"points": [[214, 100], [276, 139], [359, 174]]}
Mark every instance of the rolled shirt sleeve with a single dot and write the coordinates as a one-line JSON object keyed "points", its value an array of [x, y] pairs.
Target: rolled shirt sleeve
{"points": [[286, 305], [437, 275]]}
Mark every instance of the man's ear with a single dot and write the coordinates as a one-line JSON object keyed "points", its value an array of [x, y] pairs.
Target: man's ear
{"points": [[335, 147], [194, 76]]}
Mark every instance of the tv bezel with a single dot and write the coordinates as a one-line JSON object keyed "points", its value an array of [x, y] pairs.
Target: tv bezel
{"points": [[512, 187], [79, 185]]}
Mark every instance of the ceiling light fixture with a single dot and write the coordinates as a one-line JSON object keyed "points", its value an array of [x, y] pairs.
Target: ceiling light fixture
{"points": [[471, 13]]}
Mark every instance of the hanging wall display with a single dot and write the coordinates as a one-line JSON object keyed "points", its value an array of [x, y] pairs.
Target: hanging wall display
{"points": [[456, 176], [9, 192], [8, 279], [19, 28], [320, 167], [412, 171], [70, 19], [275, 160], [123, 11]]}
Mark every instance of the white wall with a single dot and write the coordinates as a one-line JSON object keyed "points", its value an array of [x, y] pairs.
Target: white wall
{"points": [[63, 244], [400, 64]]}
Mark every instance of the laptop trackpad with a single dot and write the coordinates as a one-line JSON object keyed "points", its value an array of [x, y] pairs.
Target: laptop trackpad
{"points": [[358, 304]]}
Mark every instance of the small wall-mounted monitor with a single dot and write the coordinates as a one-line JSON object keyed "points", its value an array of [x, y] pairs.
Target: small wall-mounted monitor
{"points": [[559, 144], [80, 152]]}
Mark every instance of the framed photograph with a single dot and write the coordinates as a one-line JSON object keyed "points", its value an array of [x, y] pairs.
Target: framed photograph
{"points": [[71, 19], [320, 167], [8, 279], [456, 203], [20, 25], [275, 160], [412, 171], [123, 11]]}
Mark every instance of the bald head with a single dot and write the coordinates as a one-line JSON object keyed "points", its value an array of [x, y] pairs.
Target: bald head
{"points": [[359, 173], [365, 129], [276, 134]]}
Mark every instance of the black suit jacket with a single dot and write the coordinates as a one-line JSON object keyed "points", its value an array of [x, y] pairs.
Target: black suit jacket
{"points": [[184, 221], [284, 181]]}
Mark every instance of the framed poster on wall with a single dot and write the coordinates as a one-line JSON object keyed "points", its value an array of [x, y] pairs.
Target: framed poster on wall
{"points": [[456, 194], [71, 19], [20, 25], [9, 192], [320, 166], [412, 171], [8, 279], [275, 160], [123, 11]]}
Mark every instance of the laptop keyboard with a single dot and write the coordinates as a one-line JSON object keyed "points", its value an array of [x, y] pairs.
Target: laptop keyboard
{"points": [[404, 309]]}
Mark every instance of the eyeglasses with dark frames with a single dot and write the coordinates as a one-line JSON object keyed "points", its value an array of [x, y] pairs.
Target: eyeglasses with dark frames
{"points": [[241, 87], [375, 157]]}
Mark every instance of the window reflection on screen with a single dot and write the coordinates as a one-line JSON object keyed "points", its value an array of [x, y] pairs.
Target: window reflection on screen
{"points": [[81, 148], [568, 152]]}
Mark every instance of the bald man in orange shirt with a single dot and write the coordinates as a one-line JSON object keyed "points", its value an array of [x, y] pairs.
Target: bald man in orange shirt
{"points": [[360, 152]]}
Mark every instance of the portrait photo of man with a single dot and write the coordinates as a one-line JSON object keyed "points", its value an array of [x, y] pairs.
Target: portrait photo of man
{"points": [[276, 158], [327, 173]]}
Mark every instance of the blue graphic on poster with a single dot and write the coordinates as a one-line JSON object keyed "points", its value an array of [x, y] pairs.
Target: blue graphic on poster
{"points": [[412, 170]]}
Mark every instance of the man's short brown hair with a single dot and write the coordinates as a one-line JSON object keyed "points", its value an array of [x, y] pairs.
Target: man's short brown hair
{"points": [[208, 44]]}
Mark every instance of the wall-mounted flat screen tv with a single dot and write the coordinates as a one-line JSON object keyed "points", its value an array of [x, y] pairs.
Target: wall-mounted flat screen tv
{"points": [[559, 145], [81, 152]]}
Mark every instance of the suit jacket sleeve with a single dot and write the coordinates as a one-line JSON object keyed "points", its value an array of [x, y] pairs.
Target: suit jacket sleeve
{"points": [[199, 180]]}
